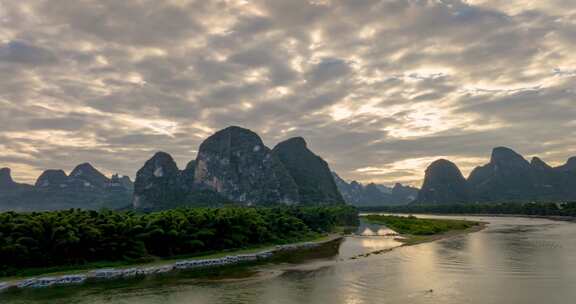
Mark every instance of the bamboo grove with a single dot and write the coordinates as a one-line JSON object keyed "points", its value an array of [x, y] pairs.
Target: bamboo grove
{"points": [[77, 237]]}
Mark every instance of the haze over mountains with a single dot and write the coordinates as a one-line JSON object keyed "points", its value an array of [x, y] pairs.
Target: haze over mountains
{"points": [[369, 195], [85, 188], [234, 166], [508, 177]]}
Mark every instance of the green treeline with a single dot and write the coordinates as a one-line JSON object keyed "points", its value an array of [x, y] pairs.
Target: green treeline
{"points": [[77, 237], [418, 226], [544, 209]]}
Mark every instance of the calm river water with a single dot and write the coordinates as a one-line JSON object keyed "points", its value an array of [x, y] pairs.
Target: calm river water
{"points": [[514, 260]]}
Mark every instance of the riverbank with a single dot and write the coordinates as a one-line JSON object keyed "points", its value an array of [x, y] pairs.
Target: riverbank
{"points": [[199, 263], [60, 240], [562, 218], [412, 225], [571, 219], [462, 269], [409, 239]]}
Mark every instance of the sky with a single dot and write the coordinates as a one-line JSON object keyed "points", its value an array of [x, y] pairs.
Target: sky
{"points": [[378, 88]]}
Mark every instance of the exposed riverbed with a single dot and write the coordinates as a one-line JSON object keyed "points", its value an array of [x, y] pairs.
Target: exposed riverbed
{"points": [[513, 260]]}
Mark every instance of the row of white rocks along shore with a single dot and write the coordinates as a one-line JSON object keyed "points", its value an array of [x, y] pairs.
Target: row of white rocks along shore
{"points": [[111, 273]]}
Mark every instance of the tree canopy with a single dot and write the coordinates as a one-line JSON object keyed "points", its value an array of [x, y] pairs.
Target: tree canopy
{"points": [[76, 237]]}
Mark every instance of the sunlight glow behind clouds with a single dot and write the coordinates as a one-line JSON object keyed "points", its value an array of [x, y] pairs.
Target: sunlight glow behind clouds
{"points": [[379, 88]]}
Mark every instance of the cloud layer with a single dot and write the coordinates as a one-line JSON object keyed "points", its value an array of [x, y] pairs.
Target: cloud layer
{"points": [[380, 88]]}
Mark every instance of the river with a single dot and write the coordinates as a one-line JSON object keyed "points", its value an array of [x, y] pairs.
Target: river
{"points": [[513, 260]]}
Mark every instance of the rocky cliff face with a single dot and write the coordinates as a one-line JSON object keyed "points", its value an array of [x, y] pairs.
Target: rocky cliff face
{"points": [[90, 176], [310, 172], [546, 182], [187, 177], [235, 163], [234, 166], [369, 195], [158, 184], [508, 176], [161, 185], [443, 183], [52, 179]]}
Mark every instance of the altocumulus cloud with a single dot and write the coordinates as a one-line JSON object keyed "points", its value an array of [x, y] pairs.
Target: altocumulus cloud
{"points": [[380, 88]]}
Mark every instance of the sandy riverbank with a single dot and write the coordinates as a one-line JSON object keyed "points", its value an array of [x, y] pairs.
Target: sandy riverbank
{"points": [[408, 239], [411, 240]]}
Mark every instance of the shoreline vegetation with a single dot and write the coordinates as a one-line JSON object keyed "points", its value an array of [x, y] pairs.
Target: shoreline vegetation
{"points": [[564, 210], [64, 242], [412, 230], [200, 264], [158, 262]]}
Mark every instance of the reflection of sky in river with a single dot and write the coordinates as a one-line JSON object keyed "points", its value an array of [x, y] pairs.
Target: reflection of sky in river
{"points": [[366, 229], [514, 260]]}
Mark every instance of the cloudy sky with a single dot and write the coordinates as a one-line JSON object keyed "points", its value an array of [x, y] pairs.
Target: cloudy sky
{"points": [[379, 88]]}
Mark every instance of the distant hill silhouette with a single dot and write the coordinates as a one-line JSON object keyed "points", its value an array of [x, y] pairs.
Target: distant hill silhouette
{"points": [[508, 177], [443, 182], [370, 195], [84, 188], [234, 166], [310, 172]]}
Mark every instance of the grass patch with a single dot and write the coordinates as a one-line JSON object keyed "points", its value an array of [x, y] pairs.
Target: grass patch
{"points": [[412, 225]]}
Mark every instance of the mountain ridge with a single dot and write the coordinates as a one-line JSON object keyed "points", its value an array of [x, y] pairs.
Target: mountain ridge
{"points": [[54, 189], [233, 165], [357, 194], [508, 176]]}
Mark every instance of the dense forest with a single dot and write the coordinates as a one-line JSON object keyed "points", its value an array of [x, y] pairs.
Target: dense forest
{"points": [[544, 209], [77, 237]]}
